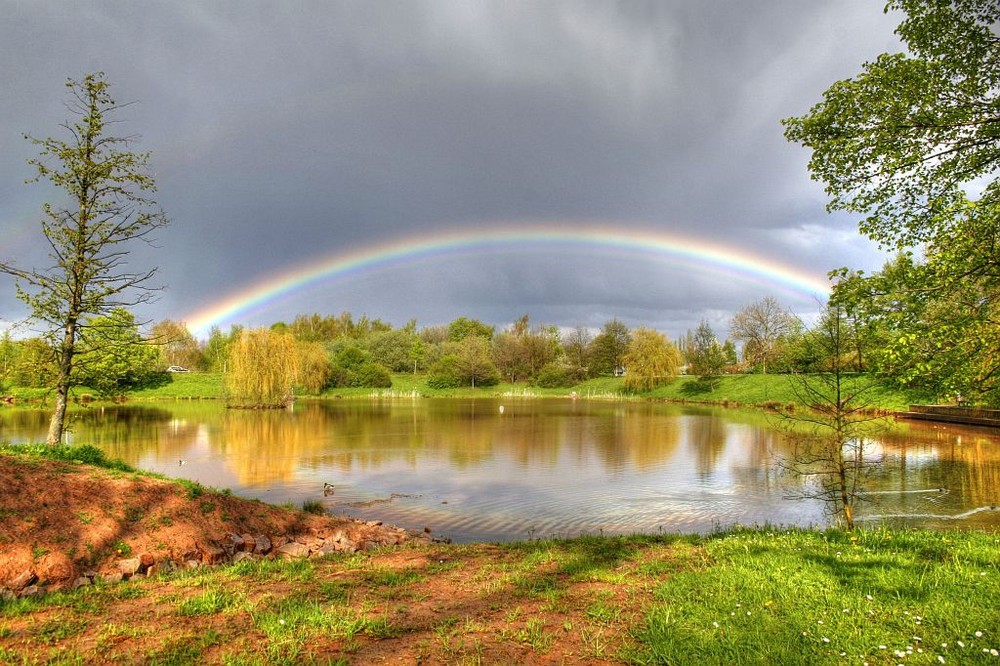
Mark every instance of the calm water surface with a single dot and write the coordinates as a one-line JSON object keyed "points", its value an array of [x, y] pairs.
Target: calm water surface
{"points": [[469, 471]]}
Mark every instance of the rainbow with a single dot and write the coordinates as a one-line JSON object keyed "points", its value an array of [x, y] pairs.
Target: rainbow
{"points": [[692, 252]]}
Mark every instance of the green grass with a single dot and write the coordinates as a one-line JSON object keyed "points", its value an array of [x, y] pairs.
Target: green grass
{"points": [[748, 390], [809, 597], [764, 596], [184, 386]]}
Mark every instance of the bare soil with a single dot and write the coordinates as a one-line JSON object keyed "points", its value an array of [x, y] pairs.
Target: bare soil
{"points": [[421, 602]]}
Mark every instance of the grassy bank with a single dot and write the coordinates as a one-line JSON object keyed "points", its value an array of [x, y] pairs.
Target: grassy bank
{"points": [[762, 596], [748, 390]]}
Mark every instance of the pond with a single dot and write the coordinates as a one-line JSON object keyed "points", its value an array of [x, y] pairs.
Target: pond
{"points": [[504, 469]]}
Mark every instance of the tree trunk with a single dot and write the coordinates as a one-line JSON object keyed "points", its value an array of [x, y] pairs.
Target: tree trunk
{"points": [[58, 422]]}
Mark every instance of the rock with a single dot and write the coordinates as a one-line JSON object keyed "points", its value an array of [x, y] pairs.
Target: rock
{"points": [[211, 554], [262, 545], [31, 591], [112, 577], [81, 581], [129, 567], [328, 548], [243, 555], [293, 550], [249, 543], [23, 580]]}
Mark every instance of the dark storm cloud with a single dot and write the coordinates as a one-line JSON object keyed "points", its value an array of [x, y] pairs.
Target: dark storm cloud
{"points": [[283, 131]]}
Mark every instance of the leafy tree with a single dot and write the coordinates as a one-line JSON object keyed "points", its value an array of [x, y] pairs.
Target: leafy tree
{"points": [[393, 349], [107, 208], [468, 363], [112, 358], [355, 367], [315, 371], [608, 348], [705, 355], [760, 326], [177, 346], [215, 355], [905, 141], [34, 364], [464, 327], [913, 144], [651, 360], [262, 369], [8, 356]]}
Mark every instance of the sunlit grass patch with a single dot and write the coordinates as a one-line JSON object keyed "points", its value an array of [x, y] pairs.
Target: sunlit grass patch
{"points": [[209, 602], [796, 596]]}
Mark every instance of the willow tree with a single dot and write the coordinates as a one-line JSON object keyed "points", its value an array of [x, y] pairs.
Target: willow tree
{"points": [[650, 360], [262, 369], [104, 210]]}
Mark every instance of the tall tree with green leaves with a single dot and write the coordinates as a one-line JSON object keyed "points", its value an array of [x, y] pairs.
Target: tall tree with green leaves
{"points": [[909, 140], [913, 144], [608, 348], [105, 209]]}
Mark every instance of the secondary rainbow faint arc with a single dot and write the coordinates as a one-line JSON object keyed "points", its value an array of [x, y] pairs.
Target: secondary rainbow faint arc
{"points": [[697, 252]]}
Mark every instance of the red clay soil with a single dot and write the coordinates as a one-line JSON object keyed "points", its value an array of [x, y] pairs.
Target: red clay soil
{"points": [[421, 603], [59, 520]]}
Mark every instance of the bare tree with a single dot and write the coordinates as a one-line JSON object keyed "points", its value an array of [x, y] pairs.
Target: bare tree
{"points": [[759, 326], [105, 185], [831, 438]]}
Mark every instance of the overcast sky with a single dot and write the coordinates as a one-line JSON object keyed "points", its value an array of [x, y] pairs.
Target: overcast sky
{"points": [[285, 132]]}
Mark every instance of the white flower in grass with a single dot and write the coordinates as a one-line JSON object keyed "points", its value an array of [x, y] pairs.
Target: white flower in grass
{"points": [[940, 659], [960, 644], [715, 624], [994, 652], [868, 597], [826, 640], [979, 634]]}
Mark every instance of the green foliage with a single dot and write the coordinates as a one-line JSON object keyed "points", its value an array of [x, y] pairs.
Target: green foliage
{"points": [[902, 141], [176, 345], [262, 369], [607, 350], [85, 454], [113, 358], [651, 360], [463, 327], [555, 375], [107, 187], [33, 363], [354, 368], [706, 356], [913, 143]]}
